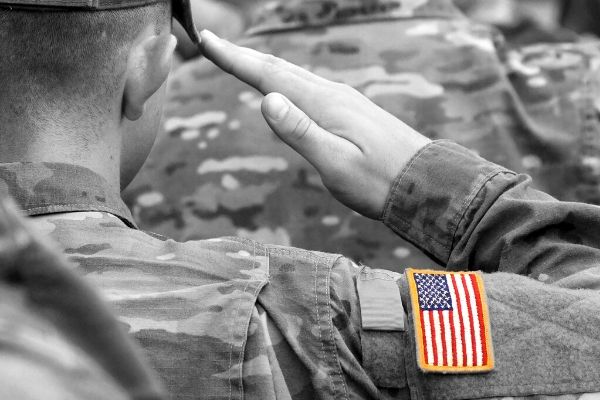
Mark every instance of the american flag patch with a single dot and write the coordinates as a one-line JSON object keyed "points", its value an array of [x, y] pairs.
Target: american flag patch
{"points": [[452, 327]]}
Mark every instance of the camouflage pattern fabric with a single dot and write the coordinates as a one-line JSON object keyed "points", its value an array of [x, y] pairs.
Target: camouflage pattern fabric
{"points": [[230, 317], [557, 89], [521, 22], [48, 320], [217, 169]]}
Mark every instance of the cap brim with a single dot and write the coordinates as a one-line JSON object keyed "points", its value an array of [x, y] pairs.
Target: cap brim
{"points": [[182, 10]]}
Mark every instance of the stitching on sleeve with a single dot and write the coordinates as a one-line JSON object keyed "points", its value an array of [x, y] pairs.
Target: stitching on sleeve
{"points": [[331, 334], [460, 216], [460, 213]]}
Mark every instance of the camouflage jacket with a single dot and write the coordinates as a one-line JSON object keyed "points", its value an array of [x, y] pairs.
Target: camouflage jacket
{"points": [[217, 169], [232, 318], [58, 341]]}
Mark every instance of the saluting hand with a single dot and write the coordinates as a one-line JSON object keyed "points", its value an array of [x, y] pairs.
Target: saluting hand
{"points": [[357, 148]]}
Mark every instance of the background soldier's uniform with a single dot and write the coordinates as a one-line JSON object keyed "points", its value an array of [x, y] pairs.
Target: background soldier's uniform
{"points": [[57, 340], [217, 169], [229, 317]]}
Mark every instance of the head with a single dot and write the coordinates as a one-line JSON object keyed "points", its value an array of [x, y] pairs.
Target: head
{"points": [[83, 84]]}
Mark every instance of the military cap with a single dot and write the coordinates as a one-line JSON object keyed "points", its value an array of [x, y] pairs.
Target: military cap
{"points": [[182, 10]]}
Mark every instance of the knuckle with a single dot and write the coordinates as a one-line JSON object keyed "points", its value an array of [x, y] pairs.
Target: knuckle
{"points": [[339, 97], [271, 59], [301, 128], [271, 69], [273, 63], [347, 90], [340, 92], [341, 87]]}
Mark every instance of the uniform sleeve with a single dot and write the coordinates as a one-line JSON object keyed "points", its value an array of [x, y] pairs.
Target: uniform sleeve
{"points": [[470, 214], [540, 261], [545, 338]]}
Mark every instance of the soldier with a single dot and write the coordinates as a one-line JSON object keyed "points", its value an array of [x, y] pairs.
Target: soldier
{"points": [[232, 318], [521, 22], [439, 72], [58, 341]]}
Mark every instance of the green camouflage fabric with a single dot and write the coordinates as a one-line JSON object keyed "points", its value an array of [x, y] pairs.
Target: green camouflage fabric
{"points": [[217, 169], [232, 318], [49, 320]]}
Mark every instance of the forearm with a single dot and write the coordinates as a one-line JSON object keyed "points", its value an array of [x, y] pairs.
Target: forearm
{"points": [[467, 213]]}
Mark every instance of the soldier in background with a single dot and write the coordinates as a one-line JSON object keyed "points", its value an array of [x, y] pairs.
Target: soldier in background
{"points": [[424, 62], [521, 22]]}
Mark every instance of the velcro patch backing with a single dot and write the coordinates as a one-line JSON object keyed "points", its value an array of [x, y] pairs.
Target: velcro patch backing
{"points": [[452, 327], [380, 302]]}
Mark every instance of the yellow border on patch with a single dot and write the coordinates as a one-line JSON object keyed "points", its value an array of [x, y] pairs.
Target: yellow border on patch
{"points": [[414, 297]]}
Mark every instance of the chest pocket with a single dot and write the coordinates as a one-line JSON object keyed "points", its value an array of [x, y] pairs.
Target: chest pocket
{"points": [[383, 337], [195, 335]]}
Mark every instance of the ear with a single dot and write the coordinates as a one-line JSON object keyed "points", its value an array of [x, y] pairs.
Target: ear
{"points": [[148, 67]]}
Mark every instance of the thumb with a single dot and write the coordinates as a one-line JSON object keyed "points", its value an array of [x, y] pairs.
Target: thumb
{"points": [[301, 133]]}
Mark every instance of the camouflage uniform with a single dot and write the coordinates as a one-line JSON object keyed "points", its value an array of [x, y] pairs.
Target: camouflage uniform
{"points": [[217, 169], [557, 96], [57, 340], [232, 318]]}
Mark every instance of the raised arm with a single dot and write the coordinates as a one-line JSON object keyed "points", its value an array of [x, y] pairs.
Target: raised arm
{"points": [[463, 211]]}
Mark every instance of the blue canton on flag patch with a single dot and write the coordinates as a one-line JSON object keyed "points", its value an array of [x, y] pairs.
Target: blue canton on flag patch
{"points": [[434, 293]]}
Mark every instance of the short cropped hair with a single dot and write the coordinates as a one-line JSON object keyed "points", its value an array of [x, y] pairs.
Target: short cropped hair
{"points": [[77, 58]]}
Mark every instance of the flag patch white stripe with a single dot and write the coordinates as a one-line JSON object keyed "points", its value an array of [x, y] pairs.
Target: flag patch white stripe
{"points": [[475, 319], [448, 336], [438, 338], [428, 341]]}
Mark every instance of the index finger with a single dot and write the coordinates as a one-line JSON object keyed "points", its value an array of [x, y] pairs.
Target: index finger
{"points": [[264, 72]]}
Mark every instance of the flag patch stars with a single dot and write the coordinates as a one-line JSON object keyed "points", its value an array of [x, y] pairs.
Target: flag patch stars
{"points": [[452, 327]]}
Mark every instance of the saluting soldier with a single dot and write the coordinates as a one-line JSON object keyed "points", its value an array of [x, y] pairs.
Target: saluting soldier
{"points": [[233, 318], [216, 168]]}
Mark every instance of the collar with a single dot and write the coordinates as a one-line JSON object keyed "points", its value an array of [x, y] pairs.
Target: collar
{"points": [[282, 15], [46, 188]]}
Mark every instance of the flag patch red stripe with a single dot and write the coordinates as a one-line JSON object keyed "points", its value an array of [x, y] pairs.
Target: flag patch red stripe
{"points": [[481, 321]]}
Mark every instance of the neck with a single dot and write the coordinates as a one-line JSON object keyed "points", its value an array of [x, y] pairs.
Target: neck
{"points": [[93, 147]]}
